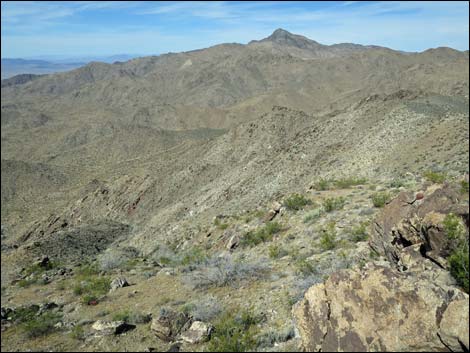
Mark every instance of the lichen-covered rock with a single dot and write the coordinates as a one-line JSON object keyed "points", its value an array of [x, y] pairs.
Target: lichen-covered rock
{"points": [[119, 282], [408, 221], [169, 324], [105, 328], [382, 309], [197, 333]]}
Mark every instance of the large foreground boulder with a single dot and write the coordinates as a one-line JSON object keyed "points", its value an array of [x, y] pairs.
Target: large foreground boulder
{"points": [[381, 309]]}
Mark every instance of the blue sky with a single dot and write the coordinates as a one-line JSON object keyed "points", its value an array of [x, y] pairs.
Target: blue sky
{"points": [[93, 28]]}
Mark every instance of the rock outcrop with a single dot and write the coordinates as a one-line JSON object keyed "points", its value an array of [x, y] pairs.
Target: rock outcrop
{"points": [[381, 309], [410, 302]]}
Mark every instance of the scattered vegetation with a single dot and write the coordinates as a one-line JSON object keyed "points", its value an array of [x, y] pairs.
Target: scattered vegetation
{"points": [[205, 309], [379, 199], [42, 325], [296, 202], [359, 232], [333, 203], [464, 187], [304, 267], [90, 285], [235, 333], [133, 318], [78, 333], [224, 271], [276, 251], [313, 215], [219, 224], [322, 185], [328, 237], [435, 177], [459, 256], [268, 339], [261, 235]]}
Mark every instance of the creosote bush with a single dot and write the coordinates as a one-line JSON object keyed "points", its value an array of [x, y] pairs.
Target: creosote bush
{"points": [[328, 237], [379, 199], [435, 177], [333, 203], [261, 235], [296, 202]]}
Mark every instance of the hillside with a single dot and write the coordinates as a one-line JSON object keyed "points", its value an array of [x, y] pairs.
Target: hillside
{"points": [[176, 170]]}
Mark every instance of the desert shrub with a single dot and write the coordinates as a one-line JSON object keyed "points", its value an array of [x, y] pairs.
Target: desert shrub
{"points": [[435, 177], [453, 227], [194, 255], [313, 216], [219, 224], [276, 251], [124, 258], [459, 265], [23, 314], [261, 235], [359, 232], [33, 274], [464, 187], [379, 199], [348, 182], [77, 333], [296, 202], [224, 271], [458, 257], [131, 317], [91, 288], [205, 309], [268, 339], [322, 185], [304, 267], [334, 203], [41, 325], [234, 333], [328, 237]]}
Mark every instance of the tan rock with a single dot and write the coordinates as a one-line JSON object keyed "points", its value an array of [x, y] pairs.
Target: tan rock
{"points": [[197, 333], [381, 309]]}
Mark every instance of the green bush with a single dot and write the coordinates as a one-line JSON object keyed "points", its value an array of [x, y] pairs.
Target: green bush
{"points": [[359, 232], [453, 227], [314, 215], [458, 258], [334, 203], [328, 237], [464, 187], [296, 202], [276, 251], [234, 333], [379, 199], [435, 177], [194, 255], [91, 288], [322, 185], [133, 318], [459, 266], [261, 235], [41, 325], [78, 333], [304, 267]]}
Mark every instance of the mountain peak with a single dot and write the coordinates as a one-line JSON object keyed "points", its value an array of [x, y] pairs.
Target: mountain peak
{"points": [[283, 37]]}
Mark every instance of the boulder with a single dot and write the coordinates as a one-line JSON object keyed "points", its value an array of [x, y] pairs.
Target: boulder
{"points": [[169, 324], [411, 221], [105, 328], [118, 283], [381, 309], [197, 333], [233, 242]]}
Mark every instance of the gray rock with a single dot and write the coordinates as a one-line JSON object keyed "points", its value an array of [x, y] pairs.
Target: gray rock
{"points": [[105, 328], [119, 282], [197, 333]]}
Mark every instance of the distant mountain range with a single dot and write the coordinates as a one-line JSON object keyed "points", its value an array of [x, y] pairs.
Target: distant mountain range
{"points": [[50, 64]]}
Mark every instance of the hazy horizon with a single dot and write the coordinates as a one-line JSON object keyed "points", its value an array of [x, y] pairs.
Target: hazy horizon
{"points": [[99, 28]]}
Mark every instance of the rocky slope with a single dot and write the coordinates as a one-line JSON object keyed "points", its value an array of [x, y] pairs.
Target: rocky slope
{"points": [[178, 172]]}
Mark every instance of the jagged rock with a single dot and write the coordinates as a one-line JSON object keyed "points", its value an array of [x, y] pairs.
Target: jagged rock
{"points": [[119, 282], [408, 221], [197, 333], [169, 324], [105, 328], [233, 242], [382, 309]]}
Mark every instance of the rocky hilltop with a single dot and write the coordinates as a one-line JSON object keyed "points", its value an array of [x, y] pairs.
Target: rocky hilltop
{"points": [[143, 202]]}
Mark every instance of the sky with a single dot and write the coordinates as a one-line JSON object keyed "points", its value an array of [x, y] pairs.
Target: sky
{"points": [[33, 29]]}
